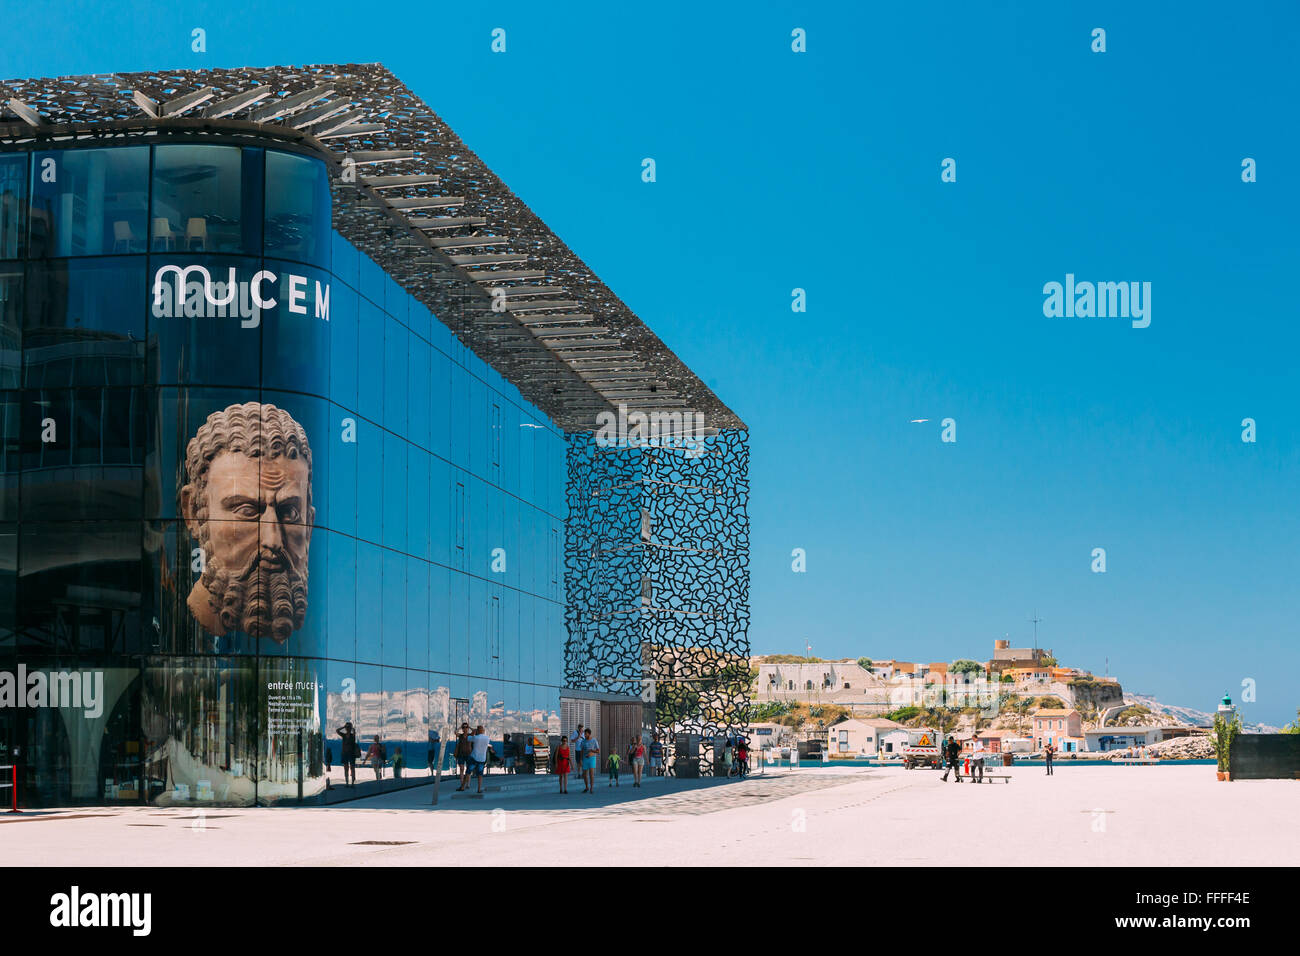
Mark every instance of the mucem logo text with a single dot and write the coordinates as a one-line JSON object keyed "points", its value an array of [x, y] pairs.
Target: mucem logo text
{"points": [[59, 689], [76, 909], [1102, 300], [191, 292]]}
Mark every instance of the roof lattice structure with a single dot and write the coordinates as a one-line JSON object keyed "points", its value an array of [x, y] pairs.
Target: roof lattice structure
{"points": [[414, 198]]}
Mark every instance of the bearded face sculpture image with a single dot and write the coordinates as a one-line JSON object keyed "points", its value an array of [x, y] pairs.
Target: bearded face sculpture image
{"points": [[247, 501]]}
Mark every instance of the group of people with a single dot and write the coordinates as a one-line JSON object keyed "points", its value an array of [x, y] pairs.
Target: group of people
{"points": [[582, 750], [471, 755], [376, 756], [951, 754], [950, 757], [735, 756]]}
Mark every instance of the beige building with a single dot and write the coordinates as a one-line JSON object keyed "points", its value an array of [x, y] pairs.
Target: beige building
{"points": [[1006, 657], [858, 737], [844, 683]]}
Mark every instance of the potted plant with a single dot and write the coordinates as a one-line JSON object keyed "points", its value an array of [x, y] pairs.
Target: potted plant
{"points": [[1226, 730]]}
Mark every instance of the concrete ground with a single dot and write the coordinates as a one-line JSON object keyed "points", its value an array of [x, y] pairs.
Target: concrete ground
{"points": [[1102, 816]]}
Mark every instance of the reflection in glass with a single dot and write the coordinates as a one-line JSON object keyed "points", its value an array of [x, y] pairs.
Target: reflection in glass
{"points": [[89, 202], [79, 587], [84, 452], [13, 205], [84, 322], [11, 324], [206, 199], [297, 208], [200, 331], [200, 725]]}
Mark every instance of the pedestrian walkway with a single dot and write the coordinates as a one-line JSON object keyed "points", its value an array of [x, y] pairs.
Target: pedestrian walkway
{"points": [[496, 786]]}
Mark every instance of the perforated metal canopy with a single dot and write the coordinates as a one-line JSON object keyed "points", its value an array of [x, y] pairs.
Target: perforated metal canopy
{"points": [[410, 195]]}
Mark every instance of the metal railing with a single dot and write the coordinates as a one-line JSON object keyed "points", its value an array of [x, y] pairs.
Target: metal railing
{"points": [[13, 783]]}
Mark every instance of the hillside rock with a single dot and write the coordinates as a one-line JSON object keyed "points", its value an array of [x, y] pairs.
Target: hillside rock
{"points": [[1199, 747]]}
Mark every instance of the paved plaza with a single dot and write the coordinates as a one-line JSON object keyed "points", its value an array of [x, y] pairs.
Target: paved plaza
{"points": [[1099, 816]]}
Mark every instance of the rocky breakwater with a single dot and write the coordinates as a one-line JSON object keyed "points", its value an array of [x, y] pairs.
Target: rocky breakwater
{"points": [[1198, 747]]}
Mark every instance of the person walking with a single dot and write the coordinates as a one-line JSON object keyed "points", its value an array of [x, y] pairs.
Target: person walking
{"points": [[563, 765], [348, 756], [375, 757], [579, 748], [511, 752], [636, 754], [328, 768], [613, 764], [478, 754], [657, 756], [461, 755], [398, 763], [952, 753], [1047, 755], [977, 760], [576, 747], [590, 757]]}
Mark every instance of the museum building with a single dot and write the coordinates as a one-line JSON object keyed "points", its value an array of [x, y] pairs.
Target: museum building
{"points": [[300, 428]]}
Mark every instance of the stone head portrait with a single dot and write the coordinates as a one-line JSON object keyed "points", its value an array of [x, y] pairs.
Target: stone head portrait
{"points": [[247, 500]]}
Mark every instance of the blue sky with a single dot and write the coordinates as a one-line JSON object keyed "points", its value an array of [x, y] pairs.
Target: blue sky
{"points": [[821, 170]]}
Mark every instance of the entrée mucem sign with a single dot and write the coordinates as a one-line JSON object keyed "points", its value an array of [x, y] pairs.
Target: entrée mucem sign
{"points": [[191, 292]]}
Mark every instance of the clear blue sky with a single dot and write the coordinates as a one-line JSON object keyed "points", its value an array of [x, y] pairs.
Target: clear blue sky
{"points": [[821, 170]]}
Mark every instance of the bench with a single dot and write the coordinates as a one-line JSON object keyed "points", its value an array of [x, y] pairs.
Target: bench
{"points": [[987, 776]]}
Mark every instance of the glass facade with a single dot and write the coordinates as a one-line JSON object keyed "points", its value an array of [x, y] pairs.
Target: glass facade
{"points": [[250, 490]]}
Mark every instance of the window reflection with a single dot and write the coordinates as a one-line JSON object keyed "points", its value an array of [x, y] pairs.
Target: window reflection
{"points": [[11, 323], [13, 205], [297, 208], [84, 322], [79, 587], [206, 199], [200, 730], [89, 202]]}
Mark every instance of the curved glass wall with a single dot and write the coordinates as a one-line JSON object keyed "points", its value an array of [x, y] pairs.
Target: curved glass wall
{"points": [[250, 490]]}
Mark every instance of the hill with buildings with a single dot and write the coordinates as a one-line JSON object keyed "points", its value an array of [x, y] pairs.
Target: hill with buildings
{"points": [[1001, 695]]}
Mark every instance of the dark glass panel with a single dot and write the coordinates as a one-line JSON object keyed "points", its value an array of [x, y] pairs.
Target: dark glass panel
{"points": [[297, 209], [13, 206], [10, 453], [8, 591], [79, 587], [201, 331], [11, 324], [296, 330], [83, 453], [89, 202], [206, 199], [84, 322]]}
